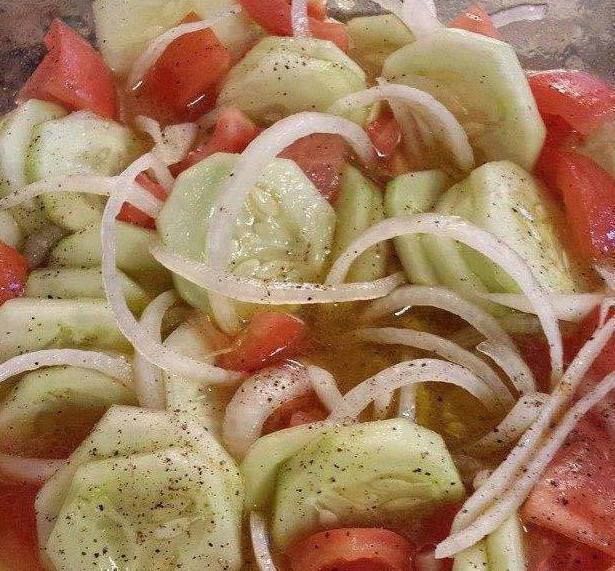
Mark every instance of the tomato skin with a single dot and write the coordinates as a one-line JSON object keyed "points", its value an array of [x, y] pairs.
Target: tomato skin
{"points": [[322, 158], [295, 412], [352, 549], [72, 74], [582, 100], [133, 215], [385, 134], [269, 338], [13, 273], [475, 19], [182, 84], [274, 16], [234, 131]]}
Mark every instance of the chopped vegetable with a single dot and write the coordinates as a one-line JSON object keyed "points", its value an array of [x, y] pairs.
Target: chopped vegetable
{"points": [[385, 133], [476, 19], [13, 273], [132, 214]]}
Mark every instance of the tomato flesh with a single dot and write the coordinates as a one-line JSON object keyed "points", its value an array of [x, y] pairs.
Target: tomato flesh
{"points": [[73, 74], [385, 134], [13, 273], [132, 214], [295, 412], [475, 19]]}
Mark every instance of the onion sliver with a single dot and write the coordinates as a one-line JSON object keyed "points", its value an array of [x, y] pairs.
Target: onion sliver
{"points": [[487, 244], [442, 298], [171, 145], [512, 364], [441, 121], [420, 18], [443, 348], [148, 347], [567, 307], [519, 13], [260, 542], [409, 373], [159, 44], [324, 385], [117, 367], [29, 470], [256, 399], [251, 290], [501, 510], [299, 18], [148, 382]]}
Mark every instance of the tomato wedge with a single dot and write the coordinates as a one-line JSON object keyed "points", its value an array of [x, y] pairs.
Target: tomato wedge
{"points": [[72, 74], [301, 410], [183, 83], [13, 273], [274, 16], [269, 338], [385, 133], [582, 100], [322, 158], [234, 131], [353, 549], [132, 214], [475, 19]]}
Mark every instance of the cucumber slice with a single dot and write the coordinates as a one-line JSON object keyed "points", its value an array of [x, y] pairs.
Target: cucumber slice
{"points": [[284, 232], [480, 80], [282, 76], [31, 324], [30, 218], [359, 206], [600, 146], [10, 232], [72, 283], [81, 143], [375, 38], [473, 559], [505, 546], [16, 133], [408, 194], [372, 474], [46, 392]]}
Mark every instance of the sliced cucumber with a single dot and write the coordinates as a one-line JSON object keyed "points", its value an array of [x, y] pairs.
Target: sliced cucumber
{"points": [[408, 194], [600, 146], [473, 559], [10, 232], [81, 143], [375, 38], [284, 232], [480, 80], [74, 283], [47, 392], [505, 546], [30, 217], [368, 474], [31, 324], [282, 76], [359, 206]]}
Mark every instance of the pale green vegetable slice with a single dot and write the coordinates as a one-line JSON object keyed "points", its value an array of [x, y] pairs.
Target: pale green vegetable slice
{"points": [[284, 232], [282, 76], [600, 146], [406, 195], [10, 232], [473, 559], [482, 82], [368, 474], [505, 546], [359, 206]]}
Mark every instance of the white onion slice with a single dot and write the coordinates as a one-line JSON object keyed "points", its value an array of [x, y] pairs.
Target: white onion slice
{"points": [[519, 13], [501, 510], [260, 542], [440, 121], [29, 470], [420, 18], [410, 373], [39, 244], [512, 364], [325, 386], [382, 404], [567, 307], [252, 290], [443, 348], [153, 351], [481, 478], [443, 298], [159, 44], [256, 399], [474, 237], [149, 385], [606, 272], [299, 18], [605, 308], [172, 144]]}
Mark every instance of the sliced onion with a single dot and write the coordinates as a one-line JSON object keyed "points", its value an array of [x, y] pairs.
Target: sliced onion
{"points": [[159, 44], [567, 307], [512, 364], [382, 404], [256, 399], [29, 470], [519, 13], [443, 348], [481, 478], [441, 122], [410, 373], [420, 17], [148, 347], [299, 18], [487, 244], [252, 290], [325, 386], [149, 385], [40, 243], [116, 367], [443, 298], [606, 272], [171, 145], [505, 506], [260, 542], [605, 308]]}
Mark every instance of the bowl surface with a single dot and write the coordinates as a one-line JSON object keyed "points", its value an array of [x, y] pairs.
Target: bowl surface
{"points": [[575, 34]]}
